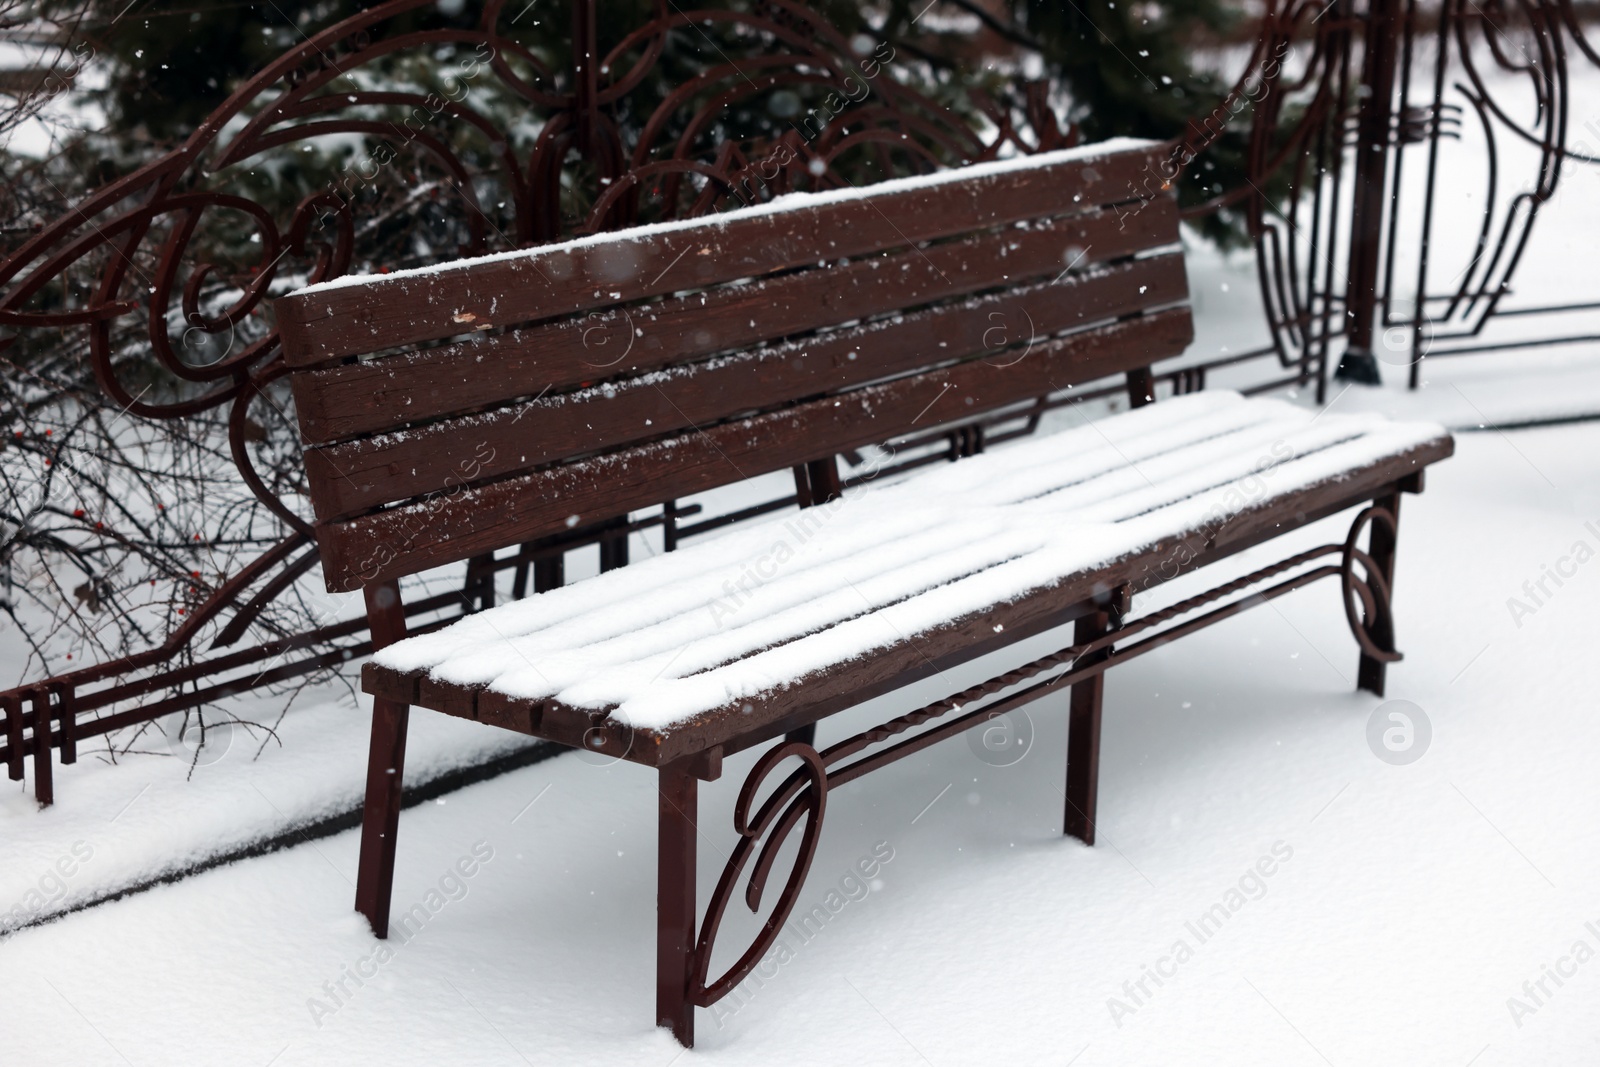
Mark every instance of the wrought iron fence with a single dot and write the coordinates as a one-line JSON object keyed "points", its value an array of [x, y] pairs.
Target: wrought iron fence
{"points": [[600, 145]]}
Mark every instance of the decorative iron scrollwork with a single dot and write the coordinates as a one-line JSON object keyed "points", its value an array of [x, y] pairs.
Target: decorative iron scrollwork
{"points": [[1373, 626], [164, 211], [803, 793], [171, 268]]}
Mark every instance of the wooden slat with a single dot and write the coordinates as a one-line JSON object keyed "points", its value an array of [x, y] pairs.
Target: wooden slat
{"points": [[460, 523], [404, 309], [849, 684], [347, 479], [454, 699], [956, 642], [340, 402]]}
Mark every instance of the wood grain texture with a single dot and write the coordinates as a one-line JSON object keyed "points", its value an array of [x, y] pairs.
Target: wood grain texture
{"points": [[394, 311], [1003, 328], [464, 520], [341, 402]]}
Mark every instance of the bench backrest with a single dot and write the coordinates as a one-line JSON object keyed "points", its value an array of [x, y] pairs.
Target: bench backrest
{"points": [[505, 398]]}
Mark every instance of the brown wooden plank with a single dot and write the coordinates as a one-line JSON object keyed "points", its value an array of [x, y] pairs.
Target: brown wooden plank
{"points": [[454, 699], [347, 479], [899, 665], [523, 718], [967, 638], [459, 523], [405, 308], [340, 402], [390, 685]]}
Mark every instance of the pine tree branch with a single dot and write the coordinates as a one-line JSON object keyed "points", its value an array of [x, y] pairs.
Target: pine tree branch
{"points": [[1011, 32]]}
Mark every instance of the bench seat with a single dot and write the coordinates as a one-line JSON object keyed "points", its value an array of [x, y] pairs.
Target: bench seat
{"points": [[695, 648]]}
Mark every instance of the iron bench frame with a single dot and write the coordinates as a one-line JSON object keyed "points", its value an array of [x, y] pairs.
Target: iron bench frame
{"points": [[324, 328]]}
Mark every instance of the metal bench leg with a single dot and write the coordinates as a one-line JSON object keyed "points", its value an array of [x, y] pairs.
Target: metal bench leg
{"points": [[614, 548], [380, 821], [549, 573], [1083, 736], [1381, 547], [675, 902]]}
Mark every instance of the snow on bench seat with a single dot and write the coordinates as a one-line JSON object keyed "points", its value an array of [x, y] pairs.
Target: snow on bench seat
{"points": [[766, 605]]}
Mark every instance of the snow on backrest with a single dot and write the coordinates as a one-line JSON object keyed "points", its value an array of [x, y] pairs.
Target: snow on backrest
{"points": [[578, 381]]}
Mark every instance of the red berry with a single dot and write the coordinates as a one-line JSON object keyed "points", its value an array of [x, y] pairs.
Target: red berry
{"points": [[77, 513]]}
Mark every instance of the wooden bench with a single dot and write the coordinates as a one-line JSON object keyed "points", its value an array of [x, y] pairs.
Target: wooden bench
{"points": [[477, 407]]}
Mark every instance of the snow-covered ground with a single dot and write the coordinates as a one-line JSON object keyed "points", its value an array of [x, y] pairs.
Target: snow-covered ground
{"points": [[1443, 911], [1406, 907], [1516, 387]]}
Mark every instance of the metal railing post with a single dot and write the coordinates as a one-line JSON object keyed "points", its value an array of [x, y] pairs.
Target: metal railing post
{"points": [[1374, 120]]}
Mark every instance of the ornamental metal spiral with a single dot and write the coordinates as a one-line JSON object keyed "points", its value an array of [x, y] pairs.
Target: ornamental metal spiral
{"points": [[582, 148], [586, 148], [597, 145], [1534, 42], [804, 793], [1366, 599], [1312, 65]]}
